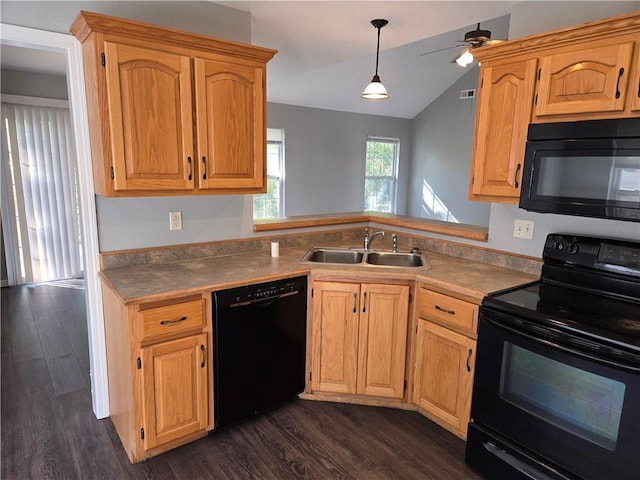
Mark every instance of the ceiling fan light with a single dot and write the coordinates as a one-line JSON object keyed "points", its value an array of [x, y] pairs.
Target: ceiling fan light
{"points": [[465, 58], [375, 90]]}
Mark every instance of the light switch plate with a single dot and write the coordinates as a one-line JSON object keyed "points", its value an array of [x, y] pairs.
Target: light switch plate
{"points": [[523, 229], [175, 220]]}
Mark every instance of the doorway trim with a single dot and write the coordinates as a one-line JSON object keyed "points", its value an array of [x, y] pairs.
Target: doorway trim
{"points": [[70, 47]]}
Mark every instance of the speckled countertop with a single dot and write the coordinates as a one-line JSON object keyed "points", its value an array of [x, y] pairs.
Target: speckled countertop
{"points": [[461, 278]]}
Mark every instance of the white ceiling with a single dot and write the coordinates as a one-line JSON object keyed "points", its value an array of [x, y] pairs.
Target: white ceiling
{"points": [[326, 50]]}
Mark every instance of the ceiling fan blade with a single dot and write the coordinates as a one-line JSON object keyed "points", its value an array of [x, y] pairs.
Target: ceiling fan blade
{"points": [[439, 50]]}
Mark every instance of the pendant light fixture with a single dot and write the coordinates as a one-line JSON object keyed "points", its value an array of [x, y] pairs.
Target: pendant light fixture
{"points": [[375, 90]]}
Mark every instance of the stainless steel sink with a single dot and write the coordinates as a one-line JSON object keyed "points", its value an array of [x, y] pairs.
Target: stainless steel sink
{"points": [[396, 259], [326, 255], [366, 257]]}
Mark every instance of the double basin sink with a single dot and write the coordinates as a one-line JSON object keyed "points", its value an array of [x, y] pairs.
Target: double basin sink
{"points": [[366, 257]]}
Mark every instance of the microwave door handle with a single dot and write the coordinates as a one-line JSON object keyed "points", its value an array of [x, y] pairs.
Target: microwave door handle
{"points": [[564, 348]]}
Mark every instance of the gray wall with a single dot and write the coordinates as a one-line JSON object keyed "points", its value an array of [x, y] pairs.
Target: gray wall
{"points": [[442, 144], [34, 84], [325, 157]]}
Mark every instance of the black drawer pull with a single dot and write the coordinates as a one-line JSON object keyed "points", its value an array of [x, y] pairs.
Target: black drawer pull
{"points": [[190, 168], [203, 356], [169, 322], [469, 360], [450, 312], [204, 168]]}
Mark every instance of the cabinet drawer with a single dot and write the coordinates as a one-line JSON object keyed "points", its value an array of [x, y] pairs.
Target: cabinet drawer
{"points": [[457, 314], [171, 319]]}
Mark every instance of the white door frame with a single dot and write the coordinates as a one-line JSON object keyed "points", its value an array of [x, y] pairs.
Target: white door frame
{"points": [[71, 48]]}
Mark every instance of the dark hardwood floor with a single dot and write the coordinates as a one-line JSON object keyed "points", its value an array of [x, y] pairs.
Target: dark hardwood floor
{"points": [[49, 430]]}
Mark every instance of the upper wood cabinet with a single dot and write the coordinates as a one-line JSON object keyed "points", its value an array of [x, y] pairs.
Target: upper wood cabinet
{"points": [[592, 78], [504, 110], [359, 336], [584, 72], [170, 112], [231, 130]]}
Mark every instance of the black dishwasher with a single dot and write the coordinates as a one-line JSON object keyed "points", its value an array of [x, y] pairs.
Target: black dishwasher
{"points": [[259, 349]]}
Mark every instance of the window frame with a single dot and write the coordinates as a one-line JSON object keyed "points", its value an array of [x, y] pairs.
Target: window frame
{"points": [[275, 136], [393, 178]]}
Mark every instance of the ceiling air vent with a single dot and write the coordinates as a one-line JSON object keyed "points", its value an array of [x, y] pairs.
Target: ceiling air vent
{"points": [[470, 93]]}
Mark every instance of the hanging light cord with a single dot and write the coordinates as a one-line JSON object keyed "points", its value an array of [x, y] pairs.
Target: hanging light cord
{"points": [[378, 50]]}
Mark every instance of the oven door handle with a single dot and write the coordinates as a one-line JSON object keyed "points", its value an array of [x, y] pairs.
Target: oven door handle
{"points": [[560, 346]]}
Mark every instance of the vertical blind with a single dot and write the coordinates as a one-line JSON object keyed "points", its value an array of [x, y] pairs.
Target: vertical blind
{"points": [[40, 204]]}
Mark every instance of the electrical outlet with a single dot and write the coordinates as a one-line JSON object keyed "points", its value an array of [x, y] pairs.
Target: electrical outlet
{"points": [[175, 220], [523, 229]]}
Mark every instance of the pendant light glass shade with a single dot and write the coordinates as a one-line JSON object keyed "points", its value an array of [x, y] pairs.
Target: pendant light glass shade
{"points": [[465, 58], [376, 90]]}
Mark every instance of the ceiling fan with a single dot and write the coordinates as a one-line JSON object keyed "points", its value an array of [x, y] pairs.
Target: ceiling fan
{"points": [[472, 39]]}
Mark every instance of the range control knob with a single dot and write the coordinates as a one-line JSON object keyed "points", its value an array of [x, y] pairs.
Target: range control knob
{"points": [[573, 248], [558, 245]]}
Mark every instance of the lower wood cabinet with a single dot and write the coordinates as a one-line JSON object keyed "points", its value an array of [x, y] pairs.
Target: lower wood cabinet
{"points": [[444, 376], [445, 359], [359, 336], [159, 372], [174, 389]]}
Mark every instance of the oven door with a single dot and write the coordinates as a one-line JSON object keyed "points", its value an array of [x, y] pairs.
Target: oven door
{"points": [[544, 393]]}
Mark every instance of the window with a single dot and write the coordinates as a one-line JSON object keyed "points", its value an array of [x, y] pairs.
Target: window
{"points": [[271, 204], [381, 171]]}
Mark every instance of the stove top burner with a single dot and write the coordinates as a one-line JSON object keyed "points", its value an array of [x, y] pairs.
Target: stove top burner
{"points": [[592, 315]]}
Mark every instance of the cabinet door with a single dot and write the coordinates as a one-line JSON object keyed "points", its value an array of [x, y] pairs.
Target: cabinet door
{"points": [[382, 340], [174, 389], [592, 79], [335, 337], [150, 118], [231, 126], [444, 376], [502, 119]]}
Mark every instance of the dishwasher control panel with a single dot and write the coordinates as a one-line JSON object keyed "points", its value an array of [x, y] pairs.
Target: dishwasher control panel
{"points": [[262, 291]]}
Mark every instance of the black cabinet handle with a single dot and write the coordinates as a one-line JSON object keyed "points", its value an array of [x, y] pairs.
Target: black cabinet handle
{"points": [[355, 297], [469, 360], [204, 168], [202, 352], [515, 177], [450, 312], [190, 168], [638, 88], [176, 320], [620, 72], [364, 306]]}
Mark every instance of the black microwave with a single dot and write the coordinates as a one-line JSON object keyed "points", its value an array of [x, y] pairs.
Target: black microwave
{"points": [[588, 168]]}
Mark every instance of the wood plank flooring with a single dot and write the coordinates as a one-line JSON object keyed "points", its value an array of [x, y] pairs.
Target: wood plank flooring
{"points": [[49, 430]]}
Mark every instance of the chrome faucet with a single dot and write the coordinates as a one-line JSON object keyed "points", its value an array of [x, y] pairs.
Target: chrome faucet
{"points": [[368, 240]]}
